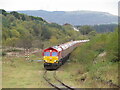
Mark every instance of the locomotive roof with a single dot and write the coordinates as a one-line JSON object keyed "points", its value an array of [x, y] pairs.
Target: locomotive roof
{"points": [[50, 48]]}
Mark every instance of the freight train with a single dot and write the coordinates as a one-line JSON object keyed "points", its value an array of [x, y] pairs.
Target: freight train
{"points": [[55, 56]]}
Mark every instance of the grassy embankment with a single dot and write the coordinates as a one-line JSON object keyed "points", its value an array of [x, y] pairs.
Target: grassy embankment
{"points": [[93, 62]]}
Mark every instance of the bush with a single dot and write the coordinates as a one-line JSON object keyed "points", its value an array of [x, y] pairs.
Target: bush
{"points": [[13, 50], [4, 53]]}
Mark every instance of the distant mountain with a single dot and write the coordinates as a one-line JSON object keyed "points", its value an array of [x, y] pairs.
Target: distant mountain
{"points": [[74, 17]]}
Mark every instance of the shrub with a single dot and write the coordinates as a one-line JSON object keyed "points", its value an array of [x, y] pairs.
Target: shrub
{"points": [[4, 53]]}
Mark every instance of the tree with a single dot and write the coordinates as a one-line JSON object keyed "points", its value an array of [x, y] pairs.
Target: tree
{"points": [[16, 14], [53, 40], [14, 33], [85, 29], [37, 44], [25, 42], [92, 33], [3, 12], [46, 34], [11, 41]]}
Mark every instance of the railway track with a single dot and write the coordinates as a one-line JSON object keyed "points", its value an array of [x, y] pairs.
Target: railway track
{"points": [[63, 85]]}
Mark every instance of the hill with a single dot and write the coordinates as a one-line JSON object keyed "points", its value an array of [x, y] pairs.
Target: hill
{"points": [[33, 32], [74, 17]]}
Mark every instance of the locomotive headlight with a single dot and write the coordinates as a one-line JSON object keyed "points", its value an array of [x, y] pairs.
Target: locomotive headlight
{"points": [[54, 60]]}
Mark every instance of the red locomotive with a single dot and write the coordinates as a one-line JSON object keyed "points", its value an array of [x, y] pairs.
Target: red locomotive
{"points": [[55, 56]]}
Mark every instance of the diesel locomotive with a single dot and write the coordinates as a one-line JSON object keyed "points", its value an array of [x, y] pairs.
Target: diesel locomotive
{"points": [[55, 56]]}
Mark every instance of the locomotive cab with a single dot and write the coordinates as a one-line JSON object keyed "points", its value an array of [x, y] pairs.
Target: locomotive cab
{"points": [[50, 57]]}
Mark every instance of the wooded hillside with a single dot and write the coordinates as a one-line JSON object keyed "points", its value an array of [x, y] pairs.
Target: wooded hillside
{"points": [[20, 30]]}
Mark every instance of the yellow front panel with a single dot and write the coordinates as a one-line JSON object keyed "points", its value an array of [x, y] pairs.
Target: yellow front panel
{"points": [[50, 59]]}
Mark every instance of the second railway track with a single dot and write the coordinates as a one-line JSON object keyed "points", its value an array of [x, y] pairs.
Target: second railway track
{"points": [[50, 82]]}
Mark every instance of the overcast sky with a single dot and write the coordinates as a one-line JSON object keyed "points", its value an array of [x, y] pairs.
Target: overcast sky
{"points": [[110, 6]]}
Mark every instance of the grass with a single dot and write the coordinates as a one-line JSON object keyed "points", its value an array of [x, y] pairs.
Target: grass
{"points": [[19, 73], [73, 74]]}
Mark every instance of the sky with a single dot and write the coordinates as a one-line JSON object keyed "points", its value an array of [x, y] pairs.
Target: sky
{"points": [[110, 6]]}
